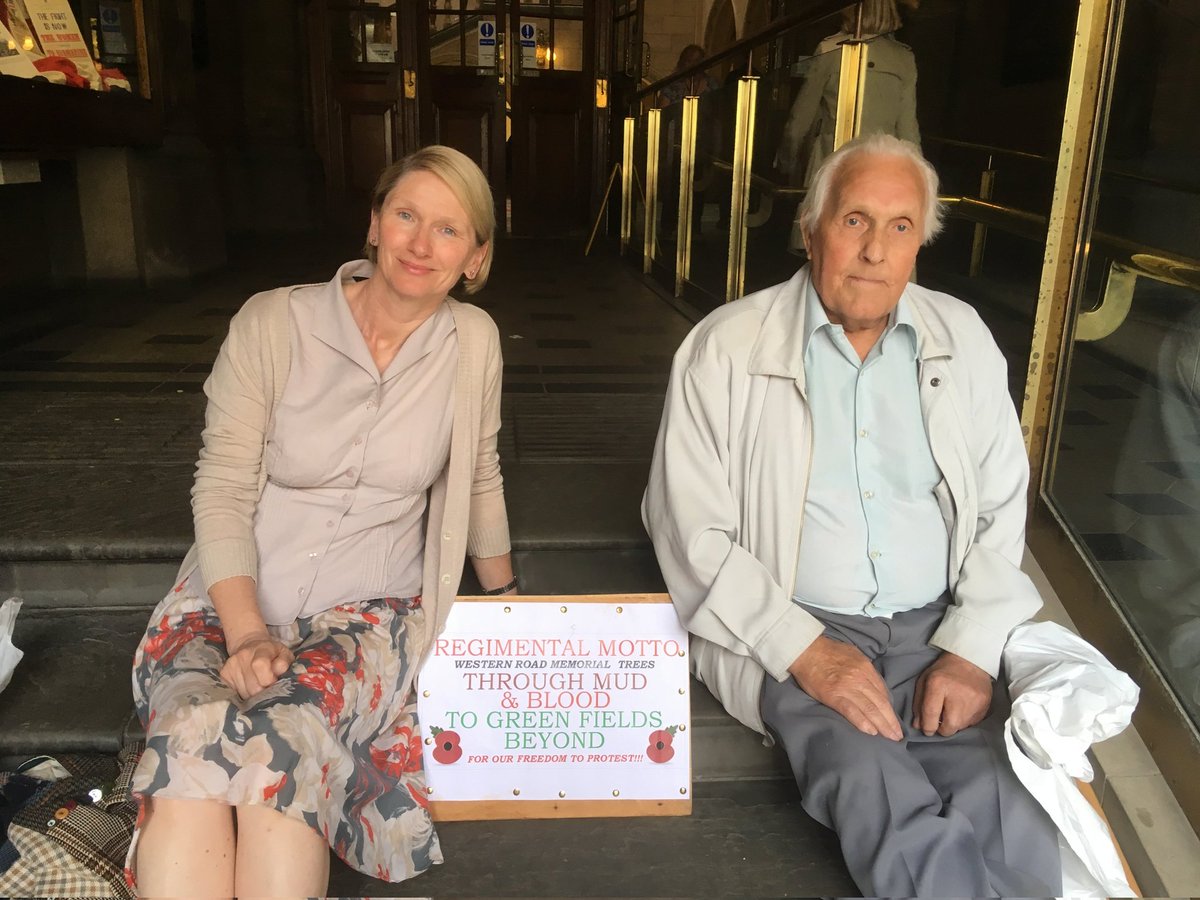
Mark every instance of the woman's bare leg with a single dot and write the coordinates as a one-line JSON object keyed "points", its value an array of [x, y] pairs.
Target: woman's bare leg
{"points": [[186, 849], [278, 856]]}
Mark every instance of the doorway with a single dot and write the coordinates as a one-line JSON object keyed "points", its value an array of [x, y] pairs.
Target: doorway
{"points": [[507, 82], [510, 86]]}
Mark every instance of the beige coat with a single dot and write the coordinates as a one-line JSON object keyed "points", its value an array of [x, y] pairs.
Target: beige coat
{"points": [[889, 103], [466, 512], [724, 506]]}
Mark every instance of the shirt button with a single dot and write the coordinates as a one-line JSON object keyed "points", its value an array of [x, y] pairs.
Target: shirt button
{"points": [[446, 536], [862, 432], [868, 494], [874, 554], [357, 441], [329, 524], [313, 555], [299, 592]]}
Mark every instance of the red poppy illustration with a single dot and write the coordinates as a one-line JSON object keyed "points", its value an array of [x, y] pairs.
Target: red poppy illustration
{"points": [[447, 750], [660, 749]]}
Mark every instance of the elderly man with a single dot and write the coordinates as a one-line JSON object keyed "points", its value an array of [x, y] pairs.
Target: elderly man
{"points": [[837, 502]]}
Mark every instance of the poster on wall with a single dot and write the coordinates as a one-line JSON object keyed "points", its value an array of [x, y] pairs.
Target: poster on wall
{"points": [[13, 60], [543, 707], [17, 19], [115, 28], [59, 34]]}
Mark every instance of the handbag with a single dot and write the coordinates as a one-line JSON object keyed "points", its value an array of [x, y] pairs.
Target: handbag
{"points": [[70, 836]]}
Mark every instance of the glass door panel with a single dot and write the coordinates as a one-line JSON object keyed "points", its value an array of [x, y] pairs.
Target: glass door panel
{"points": [[1125, 476]]}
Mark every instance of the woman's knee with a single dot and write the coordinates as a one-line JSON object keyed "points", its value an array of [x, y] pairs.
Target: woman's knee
{"points": [[176, 812]]}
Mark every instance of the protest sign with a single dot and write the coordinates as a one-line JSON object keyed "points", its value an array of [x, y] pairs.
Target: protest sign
{"points": [[536, 707]]}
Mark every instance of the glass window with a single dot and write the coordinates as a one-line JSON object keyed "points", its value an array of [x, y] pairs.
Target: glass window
{"points": [[566, 51], [89, 44], [1126, 476]]}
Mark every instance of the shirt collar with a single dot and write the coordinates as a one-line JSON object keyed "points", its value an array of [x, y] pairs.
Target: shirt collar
{"points": [[334, 325], [815, 318]]}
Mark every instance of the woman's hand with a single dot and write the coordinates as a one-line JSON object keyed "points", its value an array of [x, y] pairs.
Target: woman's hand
{"points": [[255, 663]]}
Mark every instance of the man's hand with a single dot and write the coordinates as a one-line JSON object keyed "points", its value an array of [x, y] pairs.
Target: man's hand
{"points": [[255, 663], [840, 676], [952, 694]]}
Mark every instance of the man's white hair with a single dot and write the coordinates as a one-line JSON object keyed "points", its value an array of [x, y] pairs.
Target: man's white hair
{"points": [[879, 144]]}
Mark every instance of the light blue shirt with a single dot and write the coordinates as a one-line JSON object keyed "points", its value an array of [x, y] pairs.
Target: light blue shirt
{"points": [[873, 541]]}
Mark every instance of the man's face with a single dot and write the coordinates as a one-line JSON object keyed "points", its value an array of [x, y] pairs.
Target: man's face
{"points": [[865, 245]]}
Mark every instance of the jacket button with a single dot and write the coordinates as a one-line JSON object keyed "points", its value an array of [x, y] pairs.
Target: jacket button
{"points": [[934, 382], [445, 579]]}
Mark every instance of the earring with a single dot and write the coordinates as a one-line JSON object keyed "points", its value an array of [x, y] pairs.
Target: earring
{"points": [[373, 241]]}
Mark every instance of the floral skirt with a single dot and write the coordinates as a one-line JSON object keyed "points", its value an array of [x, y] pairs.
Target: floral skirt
{"points": [[334, 743]]}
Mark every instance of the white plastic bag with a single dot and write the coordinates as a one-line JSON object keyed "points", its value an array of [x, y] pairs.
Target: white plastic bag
{"points": [[9, 655], [1066, 696]]}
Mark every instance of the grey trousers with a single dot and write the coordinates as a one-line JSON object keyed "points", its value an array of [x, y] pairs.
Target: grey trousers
{"points": [[925, 816]]}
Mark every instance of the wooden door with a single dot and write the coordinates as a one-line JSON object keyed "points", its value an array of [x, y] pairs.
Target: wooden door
{"points": [[552, 66], [462, 103], [363, 54]]}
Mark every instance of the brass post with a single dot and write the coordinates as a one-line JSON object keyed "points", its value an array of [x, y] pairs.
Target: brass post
{"points": [[687, 184], [1065, 238], [627, 183], [987, 181], [848, 117], [143, 52], [743, 154], [653, 123]]}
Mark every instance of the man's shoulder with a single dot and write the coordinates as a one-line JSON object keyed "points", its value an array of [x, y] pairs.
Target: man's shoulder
{"points": [[730, 331], [946, 312]]}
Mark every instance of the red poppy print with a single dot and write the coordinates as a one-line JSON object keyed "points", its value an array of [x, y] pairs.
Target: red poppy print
{"points": [[403, 756], [272, 789], [164, 643], [660, 749], [324, 672], [446, 749]]}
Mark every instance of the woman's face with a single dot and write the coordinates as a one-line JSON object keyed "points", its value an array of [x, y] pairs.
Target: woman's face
{"points": [[424, 239]]}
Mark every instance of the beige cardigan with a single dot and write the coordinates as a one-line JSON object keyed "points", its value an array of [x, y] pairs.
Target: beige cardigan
{"points": [[466, 512]]}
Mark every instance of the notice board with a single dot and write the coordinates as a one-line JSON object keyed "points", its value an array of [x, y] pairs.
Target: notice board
{"points": [[558, 706]]}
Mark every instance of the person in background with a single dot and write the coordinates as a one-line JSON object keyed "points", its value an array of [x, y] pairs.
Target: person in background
{"points": [[889, 104], [348, 465], [670, 99], [837, 504]]}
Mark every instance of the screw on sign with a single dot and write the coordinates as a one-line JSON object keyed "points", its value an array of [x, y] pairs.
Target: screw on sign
{"points": [[660, 749], [447, 750]]}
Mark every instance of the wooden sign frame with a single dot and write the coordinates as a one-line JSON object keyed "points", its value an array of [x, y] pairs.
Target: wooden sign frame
{"points": [[471, 810]]}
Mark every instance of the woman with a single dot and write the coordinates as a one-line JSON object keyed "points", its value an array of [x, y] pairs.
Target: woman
{"points": [[888, 104], [349, 463]]}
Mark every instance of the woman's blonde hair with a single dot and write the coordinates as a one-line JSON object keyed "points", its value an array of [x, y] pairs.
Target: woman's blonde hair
{"points": [[878, 17], [468, 184]]}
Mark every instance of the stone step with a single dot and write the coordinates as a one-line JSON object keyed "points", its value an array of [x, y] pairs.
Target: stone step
{"points": [[71, 693], [743, 839], [134, 577]]}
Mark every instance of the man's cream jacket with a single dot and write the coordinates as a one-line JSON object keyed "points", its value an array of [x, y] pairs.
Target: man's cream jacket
{"points": [[730, 472]]}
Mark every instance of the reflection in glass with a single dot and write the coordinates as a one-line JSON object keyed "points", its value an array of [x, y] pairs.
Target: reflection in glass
{"points": [[567, 52], [381, 38], [1127, 461]]}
